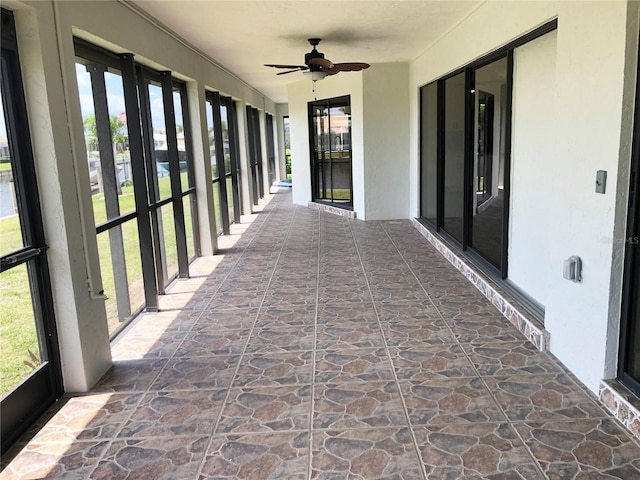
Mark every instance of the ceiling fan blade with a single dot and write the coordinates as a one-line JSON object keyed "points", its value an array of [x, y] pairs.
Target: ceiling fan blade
{"points": [[322, 62], [330, 71], [350, 66], [299, 69], [286, 66]]}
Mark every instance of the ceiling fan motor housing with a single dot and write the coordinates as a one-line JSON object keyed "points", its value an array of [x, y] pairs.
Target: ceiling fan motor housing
{"points": [[313, 54]]}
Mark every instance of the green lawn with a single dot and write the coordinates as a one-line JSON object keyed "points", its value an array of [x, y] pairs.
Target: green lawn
{"points": [[17, 328]]}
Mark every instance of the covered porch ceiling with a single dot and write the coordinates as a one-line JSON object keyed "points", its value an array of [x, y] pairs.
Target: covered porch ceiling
{"points": [[244, 35]]}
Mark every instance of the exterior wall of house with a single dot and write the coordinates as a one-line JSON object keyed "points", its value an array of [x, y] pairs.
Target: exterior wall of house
{"points": [[533, 158], [568, 122], [380, 137], [300, 94], [46, 30], [386, 140]]}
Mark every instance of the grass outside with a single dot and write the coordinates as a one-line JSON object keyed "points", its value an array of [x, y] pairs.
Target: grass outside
{"points": [[17, 326]]}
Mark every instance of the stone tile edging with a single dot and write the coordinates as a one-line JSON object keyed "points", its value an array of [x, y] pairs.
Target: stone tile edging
{"points": [[536, 335], [334, 210], [622, 405]]}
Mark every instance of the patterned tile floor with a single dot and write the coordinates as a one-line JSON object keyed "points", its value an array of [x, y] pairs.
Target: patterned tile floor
{"points": [[319, 347]]}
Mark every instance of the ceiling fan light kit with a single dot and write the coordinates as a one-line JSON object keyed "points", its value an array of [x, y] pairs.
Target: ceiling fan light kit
{"points": [[315, 76], [317, 67]]}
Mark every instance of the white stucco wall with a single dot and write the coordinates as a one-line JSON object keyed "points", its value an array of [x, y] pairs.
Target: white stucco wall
{"points": [[589, 84], [379, 137], [566, 126], [533, 166], [386, 141]]}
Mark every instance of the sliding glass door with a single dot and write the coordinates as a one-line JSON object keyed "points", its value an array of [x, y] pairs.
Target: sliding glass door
{"points": [[629, 360], [465, 147], [489, 159], [330, 136], [464, 157]]}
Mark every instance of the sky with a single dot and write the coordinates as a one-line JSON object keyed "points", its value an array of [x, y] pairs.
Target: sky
{"points": [[115, 98]]}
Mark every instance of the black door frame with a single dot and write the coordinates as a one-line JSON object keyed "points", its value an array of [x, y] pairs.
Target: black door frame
{"points": [[315, 177], [631, 276], [466, 245], [30, 399]]}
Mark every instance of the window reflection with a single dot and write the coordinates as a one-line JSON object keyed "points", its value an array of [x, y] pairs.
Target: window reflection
{"points": [[454, 119], [490, 114]]}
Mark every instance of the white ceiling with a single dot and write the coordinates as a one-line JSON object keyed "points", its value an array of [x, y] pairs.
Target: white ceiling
{"points": [[243, 35]]}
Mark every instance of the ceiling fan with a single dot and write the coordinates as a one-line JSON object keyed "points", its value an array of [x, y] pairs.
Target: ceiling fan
{"points": [[315, 63]]}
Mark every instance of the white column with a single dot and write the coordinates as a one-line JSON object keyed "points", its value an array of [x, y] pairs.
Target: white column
{"points": [[202, 168]]}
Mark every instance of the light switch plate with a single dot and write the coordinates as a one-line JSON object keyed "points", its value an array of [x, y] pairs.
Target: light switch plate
{"points": [[601, 181]]}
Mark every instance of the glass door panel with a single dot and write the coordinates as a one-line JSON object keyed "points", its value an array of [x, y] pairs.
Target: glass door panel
{"points": [[454, 138], [429, 152], [340, 145], [321, 165], [631, 374], [489, 158]]}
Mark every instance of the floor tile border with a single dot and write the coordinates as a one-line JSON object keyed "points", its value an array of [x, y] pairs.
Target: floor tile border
{"points": [[622, 405], [536, 335], [333, 210]]}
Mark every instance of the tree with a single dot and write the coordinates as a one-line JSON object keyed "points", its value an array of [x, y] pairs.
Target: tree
{"points": [[119, 138], [118, 132]]}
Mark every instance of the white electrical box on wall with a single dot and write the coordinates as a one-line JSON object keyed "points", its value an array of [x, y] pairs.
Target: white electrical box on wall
{"points": [[573, 269]]}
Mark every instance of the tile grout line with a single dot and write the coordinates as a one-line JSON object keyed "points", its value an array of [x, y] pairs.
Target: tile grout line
{"points": [[241, 355], [557, 363], [389, 359], [168, 359], [313, 357], [480, 377], [147, 389]]}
